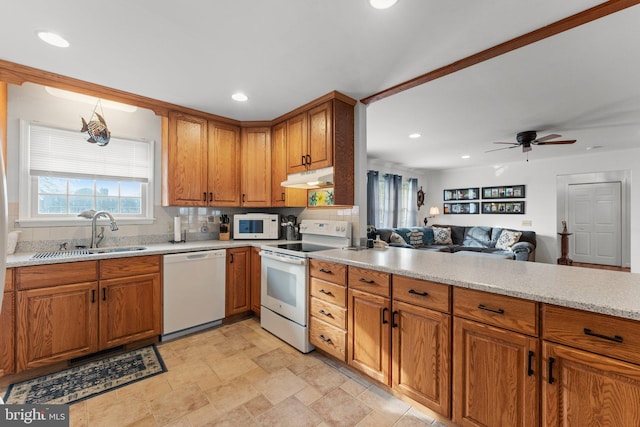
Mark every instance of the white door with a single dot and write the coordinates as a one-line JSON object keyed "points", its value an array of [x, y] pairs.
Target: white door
{"points": [[595, 221]]}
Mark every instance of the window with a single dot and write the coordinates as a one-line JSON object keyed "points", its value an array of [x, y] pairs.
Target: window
{"points": [[394, 202], [63, 175]]}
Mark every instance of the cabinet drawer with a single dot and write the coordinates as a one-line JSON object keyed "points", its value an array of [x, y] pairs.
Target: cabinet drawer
{"points": [[374, 282], [42, 276], [499, 310], [329, 292], [597, 333], [329, 271], [330, 313], [132, 266], [328, 338], [421, 293], [8, 280]]}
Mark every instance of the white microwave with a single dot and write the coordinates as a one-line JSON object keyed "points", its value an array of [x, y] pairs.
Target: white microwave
{"points": [[256, 226]]}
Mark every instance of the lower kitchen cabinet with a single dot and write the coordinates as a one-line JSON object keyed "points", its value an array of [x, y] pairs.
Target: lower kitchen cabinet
{"points": [[369, 334], [238, 278], [256, 280], [56, 323], [8, 322], [421, 367], [62, 314], [494, 381]]}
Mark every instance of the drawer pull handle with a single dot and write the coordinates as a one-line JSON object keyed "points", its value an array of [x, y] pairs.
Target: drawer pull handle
{"points": [[322, 291], [104, 294], [551, 362], [363, 280], [322, 270], [325, 313], [530, 363], [422, 294], [384, 320], [325, 339], [615, 338], [394, 323], [93, 296], [493, 310]]}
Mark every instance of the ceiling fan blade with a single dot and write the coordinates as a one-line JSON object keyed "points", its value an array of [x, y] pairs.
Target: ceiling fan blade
{"points": [[567, 141], [547, 137], [510, 143], [504, 148]]}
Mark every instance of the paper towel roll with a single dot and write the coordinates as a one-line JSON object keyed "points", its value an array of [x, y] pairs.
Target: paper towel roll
{"points": [[177, 229]]}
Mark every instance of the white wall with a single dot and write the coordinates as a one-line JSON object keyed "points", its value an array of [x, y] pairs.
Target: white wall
{"points": [[539, 176]]}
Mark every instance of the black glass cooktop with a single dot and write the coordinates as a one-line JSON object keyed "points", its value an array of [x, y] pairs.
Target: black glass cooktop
{"points": [[303, 247]]}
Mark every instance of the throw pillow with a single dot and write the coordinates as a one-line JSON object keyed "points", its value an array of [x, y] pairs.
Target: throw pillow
{"points": [[507, 239], [442, 236], [396, 238], [416, 238]]}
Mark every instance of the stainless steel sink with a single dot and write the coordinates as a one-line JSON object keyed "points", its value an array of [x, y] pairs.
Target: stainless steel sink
{"points": [[83, 252]]}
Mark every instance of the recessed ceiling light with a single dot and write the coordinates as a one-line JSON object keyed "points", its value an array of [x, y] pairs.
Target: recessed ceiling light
{"points": [[53, 39], [414, 135], [466, 156], [382, 4], [239, 96]]}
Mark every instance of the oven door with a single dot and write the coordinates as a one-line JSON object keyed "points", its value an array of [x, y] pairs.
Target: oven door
{"points": [[284, 287]]}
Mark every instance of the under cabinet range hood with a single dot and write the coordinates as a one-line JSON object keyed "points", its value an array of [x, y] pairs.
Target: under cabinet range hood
{"points": [[310, 179]]}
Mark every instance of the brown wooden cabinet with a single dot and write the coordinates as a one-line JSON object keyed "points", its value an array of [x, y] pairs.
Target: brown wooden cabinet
{"points": [[596, 381], [369, 326], [496, 379], [8, 322], [224, 164], [421, 338], [238, 278], [310, 139], [74, 309], [256, 280], [281, 196], [130, 300], [256, 167], [184, 161], [328, 312]]}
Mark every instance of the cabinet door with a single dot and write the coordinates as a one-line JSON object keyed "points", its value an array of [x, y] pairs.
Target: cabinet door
{"points": [[495, 377], [7, 334], [238, 293], [297, 153], [130, 309], [256, 167], [224, 165], [321, 136], [184, 161], [281, 196], [421, 354], [256, 280], [369, 340], [56, 323], [585, 389]]}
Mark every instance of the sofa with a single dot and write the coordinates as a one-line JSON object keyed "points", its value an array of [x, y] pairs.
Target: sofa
{"points": [[513, 244]]}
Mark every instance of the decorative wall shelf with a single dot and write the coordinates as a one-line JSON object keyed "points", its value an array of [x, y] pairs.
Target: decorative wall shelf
{"points": [[503, 192], [462, 208], [462, 194], [503, 207]]}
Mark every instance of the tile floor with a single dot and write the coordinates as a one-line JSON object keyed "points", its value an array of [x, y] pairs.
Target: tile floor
{"points": [[240, 375]]}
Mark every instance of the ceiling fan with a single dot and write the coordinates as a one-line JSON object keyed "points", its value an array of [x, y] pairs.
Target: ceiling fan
{"points": [[528, 138]]}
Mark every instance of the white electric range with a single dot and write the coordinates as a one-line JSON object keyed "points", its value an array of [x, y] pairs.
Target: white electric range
{"points": [[285, 279]]}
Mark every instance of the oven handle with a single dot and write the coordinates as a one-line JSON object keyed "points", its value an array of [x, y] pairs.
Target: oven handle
{"points": [[286, 259]]}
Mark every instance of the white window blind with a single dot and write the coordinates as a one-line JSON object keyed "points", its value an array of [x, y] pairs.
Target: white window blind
{"points": [[59, 152]]}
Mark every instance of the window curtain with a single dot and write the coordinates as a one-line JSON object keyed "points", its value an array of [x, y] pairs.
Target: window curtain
{"points": [[410, 213], [373, 197], [392, 200]]}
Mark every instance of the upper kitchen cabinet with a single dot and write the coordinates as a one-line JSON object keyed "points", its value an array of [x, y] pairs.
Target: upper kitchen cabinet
{"points": [[281, 196], [224, 164], [309, 138], [256, 167], [184, 161]]}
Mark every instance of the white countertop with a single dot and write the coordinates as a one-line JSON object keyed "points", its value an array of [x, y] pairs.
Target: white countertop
{"points": [[601, 291], [21, 259]]}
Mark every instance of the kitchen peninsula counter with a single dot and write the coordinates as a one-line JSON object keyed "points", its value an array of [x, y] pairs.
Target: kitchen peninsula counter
{"points": [[599, 291]]}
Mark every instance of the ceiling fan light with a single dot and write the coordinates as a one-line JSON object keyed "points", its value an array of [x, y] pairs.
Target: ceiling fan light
{"points": [[382, 4]]}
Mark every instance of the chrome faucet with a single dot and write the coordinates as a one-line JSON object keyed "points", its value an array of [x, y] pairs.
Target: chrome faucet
{"points": [[94, 218]]}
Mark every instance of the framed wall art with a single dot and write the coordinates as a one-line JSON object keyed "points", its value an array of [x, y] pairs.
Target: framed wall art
{"points": [[504, 192], [461, 208], [503, 207], [462, 194]]}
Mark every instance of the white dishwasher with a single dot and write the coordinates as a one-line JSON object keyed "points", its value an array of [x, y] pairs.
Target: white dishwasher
{"points": [[194, 292]]}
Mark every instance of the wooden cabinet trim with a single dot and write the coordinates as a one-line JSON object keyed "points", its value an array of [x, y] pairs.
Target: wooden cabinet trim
{"points": [[8, 280], [43, 276]]}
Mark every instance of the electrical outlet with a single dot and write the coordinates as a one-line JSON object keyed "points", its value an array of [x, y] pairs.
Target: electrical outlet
{"points": [[169, 226], [527, 223]]}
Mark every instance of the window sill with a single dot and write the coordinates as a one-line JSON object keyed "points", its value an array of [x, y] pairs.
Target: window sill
{"points": [[79, 222]]}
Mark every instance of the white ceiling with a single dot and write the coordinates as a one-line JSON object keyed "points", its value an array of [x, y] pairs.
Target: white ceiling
{"points": [[284, 53]]}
